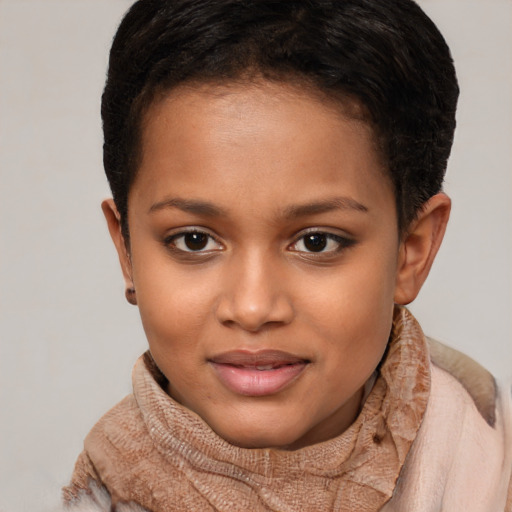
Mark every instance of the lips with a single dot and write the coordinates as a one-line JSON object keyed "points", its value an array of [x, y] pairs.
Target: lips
{"points": [[257, 373]]}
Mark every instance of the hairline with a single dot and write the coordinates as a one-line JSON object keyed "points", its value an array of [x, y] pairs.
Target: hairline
{"points": [[347, 105]]}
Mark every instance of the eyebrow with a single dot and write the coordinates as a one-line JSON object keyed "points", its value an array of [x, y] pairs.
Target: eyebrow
{"points": [[317, 207], [190, 206], [208, 209]]}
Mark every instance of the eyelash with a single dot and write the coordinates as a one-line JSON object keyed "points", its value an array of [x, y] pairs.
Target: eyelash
{"points": [[342, 243], [170, 242]]}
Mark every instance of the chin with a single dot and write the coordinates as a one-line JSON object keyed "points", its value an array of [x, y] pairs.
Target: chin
{"points": [[252, 442], [254, 438]]}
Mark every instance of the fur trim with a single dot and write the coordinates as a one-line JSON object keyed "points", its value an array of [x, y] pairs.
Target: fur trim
{"points": [[97, 499]]}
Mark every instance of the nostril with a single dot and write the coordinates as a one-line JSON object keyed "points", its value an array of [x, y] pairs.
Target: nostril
{"points": [[254, 296], [254, 317]]}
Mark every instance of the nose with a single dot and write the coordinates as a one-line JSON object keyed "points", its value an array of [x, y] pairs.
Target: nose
{"points": [[254, 295]]}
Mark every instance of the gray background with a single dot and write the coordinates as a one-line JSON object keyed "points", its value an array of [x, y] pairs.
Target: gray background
{"points": [[68, 339]]}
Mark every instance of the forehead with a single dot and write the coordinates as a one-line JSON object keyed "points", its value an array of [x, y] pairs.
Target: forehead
{"points": [[252, 91], [259, 139]]}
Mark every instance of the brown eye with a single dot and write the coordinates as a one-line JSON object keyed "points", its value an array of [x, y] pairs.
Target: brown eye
{"points": [[193, 241], [321, 242], [316, 242]]}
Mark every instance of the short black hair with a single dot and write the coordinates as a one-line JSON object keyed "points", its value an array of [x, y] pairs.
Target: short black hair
{"points": [[385, 53]]}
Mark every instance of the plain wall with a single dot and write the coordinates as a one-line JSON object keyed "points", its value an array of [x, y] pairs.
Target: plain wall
{"points": [[68, 339]]}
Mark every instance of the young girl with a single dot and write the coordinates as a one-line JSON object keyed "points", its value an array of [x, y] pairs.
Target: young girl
{"points": [[276, 170]]}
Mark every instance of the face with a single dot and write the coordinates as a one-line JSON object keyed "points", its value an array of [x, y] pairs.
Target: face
{"points": [[264, 252]]}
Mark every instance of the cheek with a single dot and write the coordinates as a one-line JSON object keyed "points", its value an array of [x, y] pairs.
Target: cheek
{"points": [[354, 316], [359, 293], [170, 294]]}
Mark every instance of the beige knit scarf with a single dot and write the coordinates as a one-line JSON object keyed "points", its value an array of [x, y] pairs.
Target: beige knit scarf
{"points": [[152, 451]]}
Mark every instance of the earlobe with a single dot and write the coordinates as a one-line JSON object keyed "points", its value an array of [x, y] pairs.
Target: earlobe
{"points": [[114, 226], [419, 247]]}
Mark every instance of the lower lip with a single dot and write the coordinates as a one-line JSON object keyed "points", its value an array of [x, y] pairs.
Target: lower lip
{"points": [[252, 382]]}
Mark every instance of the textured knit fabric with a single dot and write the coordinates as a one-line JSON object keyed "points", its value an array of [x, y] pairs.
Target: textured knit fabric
{"points": [[153, 452]]}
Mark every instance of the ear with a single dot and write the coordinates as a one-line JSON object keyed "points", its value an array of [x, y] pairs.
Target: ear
{"points": [[114, 226], [419, 247]]}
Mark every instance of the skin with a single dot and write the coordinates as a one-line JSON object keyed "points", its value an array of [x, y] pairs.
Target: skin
{"points": [[257, 168]]}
